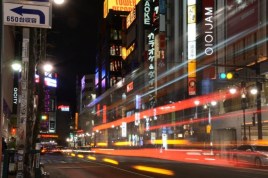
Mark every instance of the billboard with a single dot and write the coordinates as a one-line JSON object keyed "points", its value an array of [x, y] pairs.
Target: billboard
{"points": [[118, 5]]}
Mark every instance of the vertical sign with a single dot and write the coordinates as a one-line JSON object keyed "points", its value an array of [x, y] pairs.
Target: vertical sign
{"points": [[15, 93], [76, 121], [191, 21], [152, 72], [147, 21], [124, 129], [104, 118], [208, 36]]}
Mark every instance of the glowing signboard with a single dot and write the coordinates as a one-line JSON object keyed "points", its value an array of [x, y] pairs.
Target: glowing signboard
{"points": [[83, 83], [131, 17], [50, 82], [118, 5], [130, 87], [64, 108]]}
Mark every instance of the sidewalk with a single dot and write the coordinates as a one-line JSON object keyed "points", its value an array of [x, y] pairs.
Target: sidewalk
{"points": [[9, 175]]}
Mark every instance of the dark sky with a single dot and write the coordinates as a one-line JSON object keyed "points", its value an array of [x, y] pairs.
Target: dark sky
{"points": [[72, 41]]}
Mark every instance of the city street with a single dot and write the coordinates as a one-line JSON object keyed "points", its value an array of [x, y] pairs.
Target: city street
{"points": [[134, 88], [61, 166]]}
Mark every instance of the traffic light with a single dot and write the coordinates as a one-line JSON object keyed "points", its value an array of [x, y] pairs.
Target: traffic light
{"points": [[228, 75]]}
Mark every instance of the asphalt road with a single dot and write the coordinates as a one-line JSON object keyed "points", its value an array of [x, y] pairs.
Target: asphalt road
{"points": [[105, 166]]}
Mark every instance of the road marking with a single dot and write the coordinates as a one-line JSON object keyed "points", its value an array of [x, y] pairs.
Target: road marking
{"points": [[119, 169]]}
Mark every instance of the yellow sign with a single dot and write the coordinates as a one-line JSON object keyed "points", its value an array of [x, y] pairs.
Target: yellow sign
{"points": [[192, 14], [208, 128], [131, 17], [192, 68], [119, 5], [126, 52]]}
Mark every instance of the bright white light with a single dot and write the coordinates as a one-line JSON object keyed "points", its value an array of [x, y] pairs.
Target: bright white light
{"points": [[59, 1], [16, 66], [47, 67], [232, 90], [196, 102], [254, 91], [213, 103]]}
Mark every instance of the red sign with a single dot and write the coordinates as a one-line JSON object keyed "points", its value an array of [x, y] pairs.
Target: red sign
{"points": [[130, 87], [192, 86]]}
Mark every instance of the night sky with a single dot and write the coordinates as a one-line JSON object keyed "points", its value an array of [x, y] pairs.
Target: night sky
{"points": [[72, 43]]}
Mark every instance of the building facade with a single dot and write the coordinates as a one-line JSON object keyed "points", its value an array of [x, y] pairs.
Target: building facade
{"points": [[173, 54]]}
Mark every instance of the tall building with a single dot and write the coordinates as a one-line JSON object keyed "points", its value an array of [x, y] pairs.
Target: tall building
{"points": [[172, 54], [83, 125]]}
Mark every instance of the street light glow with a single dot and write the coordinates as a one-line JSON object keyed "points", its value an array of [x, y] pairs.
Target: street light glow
{"points": [[213, 103], [59, 1], [232, 90], [254, 91], [16, 66], [196, 102], [47, 67]]}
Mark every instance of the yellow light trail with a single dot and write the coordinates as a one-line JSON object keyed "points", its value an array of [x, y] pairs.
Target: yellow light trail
{"points": [[101, 144], [91, 158], [111, 161], [80, 156], [154, 170], [122, 143]]}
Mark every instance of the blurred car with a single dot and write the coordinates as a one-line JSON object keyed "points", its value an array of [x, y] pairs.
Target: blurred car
{"points": [[66, 150], [56, 149], [83, 150], [253, 155], [43, 150]]}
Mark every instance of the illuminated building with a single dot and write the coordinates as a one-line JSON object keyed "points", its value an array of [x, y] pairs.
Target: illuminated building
{"points": [[85, 122], [172, 53]]}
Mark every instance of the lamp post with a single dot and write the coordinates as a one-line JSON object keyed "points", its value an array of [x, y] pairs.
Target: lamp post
{"points": [[209, 126], [244, 102], [43, 68], [196, 103], [243, 106]]}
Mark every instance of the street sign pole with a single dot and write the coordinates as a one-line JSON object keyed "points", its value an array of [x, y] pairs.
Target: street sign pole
{"points": [[26, 14], [23, 109], [1, 95]]}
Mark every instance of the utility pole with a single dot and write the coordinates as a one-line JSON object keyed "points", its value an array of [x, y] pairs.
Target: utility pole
{"points": [[1, 95], [259, 110], [24, 102]]}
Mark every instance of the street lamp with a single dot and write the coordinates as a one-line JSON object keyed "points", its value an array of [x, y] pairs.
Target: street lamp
{"points": [[209, 126], [196, 103], [44, 68], [16, 66], [252, 91], [47, 67], [59, 1], [243, 105]]}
